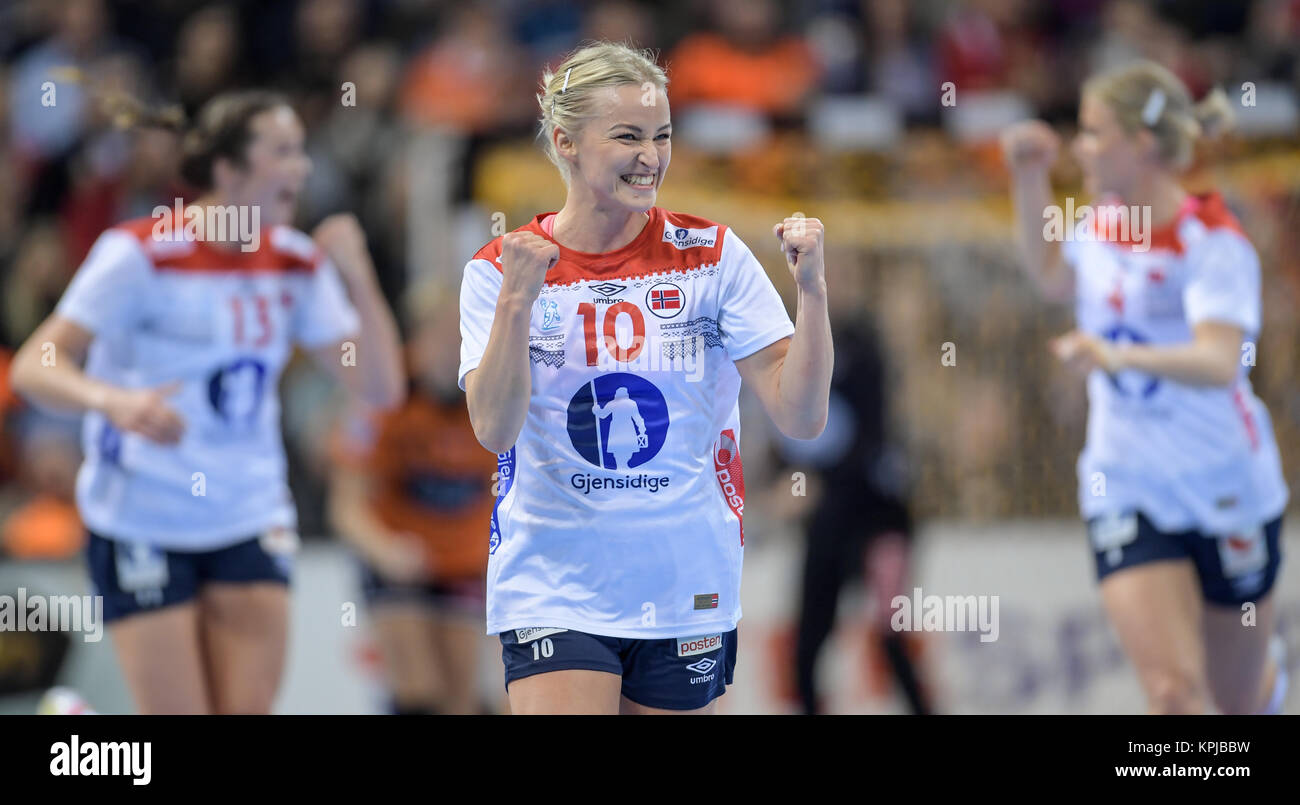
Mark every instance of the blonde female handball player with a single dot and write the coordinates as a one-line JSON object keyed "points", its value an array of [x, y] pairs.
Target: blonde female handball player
{"points": [[1179, 481], [603, 348]]}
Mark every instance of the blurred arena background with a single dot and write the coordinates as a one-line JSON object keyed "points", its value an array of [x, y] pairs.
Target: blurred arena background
{"points": [[834, 108]]}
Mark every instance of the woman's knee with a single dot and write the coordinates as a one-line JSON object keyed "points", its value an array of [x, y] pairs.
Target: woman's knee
{"points": [[245, 633], [1175, 691]]}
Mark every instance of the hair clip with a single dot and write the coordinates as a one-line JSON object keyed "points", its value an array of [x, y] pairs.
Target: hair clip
{"points": [[1154, 106], [563, 89]]}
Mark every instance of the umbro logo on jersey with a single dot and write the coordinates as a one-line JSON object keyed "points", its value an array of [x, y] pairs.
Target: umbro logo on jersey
{"points": [[608, 289], [683, 238], [702, 666]]}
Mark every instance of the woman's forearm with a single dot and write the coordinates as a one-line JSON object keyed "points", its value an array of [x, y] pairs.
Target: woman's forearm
{"points": [[500, 387], [379, 346], [805, 381], [1040, 256], [52, 378], [1195, 363]]}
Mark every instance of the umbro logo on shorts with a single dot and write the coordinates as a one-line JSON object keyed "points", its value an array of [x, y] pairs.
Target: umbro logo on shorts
{"points": [[702, 666]]}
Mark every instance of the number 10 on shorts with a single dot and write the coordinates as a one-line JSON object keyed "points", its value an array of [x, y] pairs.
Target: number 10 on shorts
{"points": [[543, 648]]}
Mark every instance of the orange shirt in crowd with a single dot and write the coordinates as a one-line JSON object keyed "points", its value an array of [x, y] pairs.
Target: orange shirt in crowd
{"points": [[450, 85], [41, 528], [429, 476], [773, 80]]}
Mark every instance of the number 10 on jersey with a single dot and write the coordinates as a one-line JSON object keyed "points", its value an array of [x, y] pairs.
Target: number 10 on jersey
{"points": [[590, 313]]}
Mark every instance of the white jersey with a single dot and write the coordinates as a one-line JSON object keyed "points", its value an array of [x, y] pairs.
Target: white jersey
{"points": [[1188, 457], [621, 504], [223, 323]]}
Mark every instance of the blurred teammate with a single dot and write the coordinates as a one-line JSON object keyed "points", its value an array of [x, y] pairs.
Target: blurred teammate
{"points": [[412, 496], [603, 348], [183, 489], [1180, 480]]}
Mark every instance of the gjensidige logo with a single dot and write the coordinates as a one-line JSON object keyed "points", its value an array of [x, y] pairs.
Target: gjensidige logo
{"points": [[683, 238]]}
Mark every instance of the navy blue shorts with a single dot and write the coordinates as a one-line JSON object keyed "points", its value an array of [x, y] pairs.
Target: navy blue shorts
{"points": [[671, 674], [133, 577], [1232, 569], [454, 596]]}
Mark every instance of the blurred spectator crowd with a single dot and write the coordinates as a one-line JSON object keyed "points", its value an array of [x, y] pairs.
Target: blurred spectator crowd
{"points": [[864, 75]]}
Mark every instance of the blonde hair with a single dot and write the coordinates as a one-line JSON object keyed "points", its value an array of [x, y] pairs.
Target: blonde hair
{"points": [[1145, 95], [568, 92]]}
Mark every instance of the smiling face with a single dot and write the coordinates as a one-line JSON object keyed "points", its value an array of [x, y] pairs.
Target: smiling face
{"points": [[621, 152], [274, 169], [1111, 158]]}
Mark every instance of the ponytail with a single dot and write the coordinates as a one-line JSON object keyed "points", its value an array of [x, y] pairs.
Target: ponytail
{"points": [[1215, 114], [123, 110]]}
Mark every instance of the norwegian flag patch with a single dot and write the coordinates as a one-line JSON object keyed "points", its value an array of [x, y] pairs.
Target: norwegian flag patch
{"points": [[665, 300]]}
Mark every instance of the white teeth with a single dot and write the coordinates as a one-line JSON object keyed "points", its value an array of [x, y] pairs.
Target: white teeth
{"points": [[644, 181]]}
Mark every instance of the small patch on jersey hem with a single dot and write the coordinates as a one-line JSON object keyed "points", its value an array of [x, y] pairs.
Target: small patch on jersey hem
{"points": [[706, 601]]}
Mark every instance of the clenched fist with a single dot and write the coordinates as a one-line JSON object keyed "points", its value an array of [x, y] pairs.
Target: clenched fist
{"points": [[802, 241], [1030, 144], [525, 259]]}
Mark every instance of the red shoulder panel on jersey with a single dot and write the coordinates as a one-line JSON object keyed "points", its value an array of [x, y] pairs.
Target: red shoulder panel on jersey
{"points": [[279, 249], [491, 251], [669, 242], [1208, 208], [1214, 213]]}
